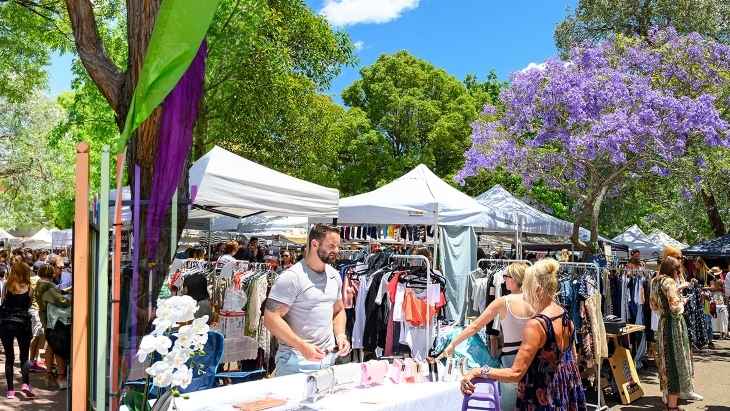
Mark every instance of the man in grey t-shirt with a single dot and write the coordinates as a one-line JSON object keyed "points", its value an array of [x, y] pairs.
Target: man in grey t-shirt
{"points": [[304, 309]]}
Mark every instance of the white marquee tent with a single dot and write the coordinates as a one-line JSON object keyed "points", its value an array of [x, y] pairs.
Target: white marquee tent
{"points": [[533, 221], [634, 238], [418, 197], [537, 229], [659, 237], [41, 239], [228, 184], [5, 235]]}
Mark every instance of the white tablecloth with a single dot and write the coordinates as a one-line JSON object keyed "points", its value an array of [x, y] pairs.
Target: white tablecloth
{"points": [[439, 396], [719, 323], [235, 349]]}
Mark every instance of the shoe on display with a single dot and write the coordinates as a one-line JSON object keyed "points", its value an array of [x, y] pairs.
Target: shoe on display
{"points": [[11, 393], [27, 391], [693, 396]]}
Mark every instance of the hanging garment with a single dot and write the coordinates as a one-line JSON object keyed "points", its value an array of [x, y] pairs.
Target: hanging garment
{"points": [[694, 317], [391, 231], [598, 329]]}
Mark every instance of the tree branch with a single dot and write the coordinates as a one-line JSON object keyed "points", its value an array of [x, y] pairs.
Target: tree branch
{"points": [[102, 70]]}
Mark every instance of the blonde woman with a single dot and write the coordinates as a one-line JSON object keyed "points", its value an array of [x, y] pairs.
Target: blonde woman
{"points": [[545, 366], [673, 354], [514, 313]]}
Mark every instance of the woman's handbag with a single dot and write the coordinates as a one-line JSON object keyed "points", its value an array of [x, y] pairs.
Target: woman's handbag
{"points": [[319, 383], [345, 374], [398, 371], [373, 372]]}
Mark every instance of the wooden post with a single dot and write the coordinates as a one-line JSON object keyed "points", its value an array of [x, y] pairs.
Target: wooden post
{"points": [[80, 324]]}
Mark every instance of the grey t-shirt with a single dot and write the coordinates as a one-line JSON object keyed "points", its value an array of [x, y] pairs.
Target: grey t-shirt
{"points": [[311, 298]]}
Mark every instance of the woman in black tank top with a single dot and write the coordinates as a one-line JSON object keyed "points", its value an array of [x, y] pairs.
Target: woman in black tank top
{"points": [[15, 324]]}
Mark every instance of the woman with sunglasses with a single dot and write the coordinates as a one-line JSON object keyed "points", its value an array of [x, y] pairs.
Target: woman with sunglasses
{"points": [[286, 259], [673, 354], [514, 312]]}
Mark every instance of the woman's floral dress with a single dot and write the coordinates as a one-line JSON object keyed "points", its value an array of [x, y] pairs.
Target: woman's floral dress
{"points": [[553, 380], [673, 354]]}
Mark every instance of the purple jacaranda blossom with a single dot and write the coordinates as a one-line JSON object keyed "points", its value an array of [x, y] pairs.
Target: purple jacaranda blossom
{"points": [[618, 108], [650, 218], [686, 194]]}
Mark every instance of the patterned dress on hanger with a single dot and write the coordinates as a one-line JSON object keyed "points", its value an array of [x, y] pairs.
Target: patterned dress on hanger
{"points": [[552, 382], [673, 353]]}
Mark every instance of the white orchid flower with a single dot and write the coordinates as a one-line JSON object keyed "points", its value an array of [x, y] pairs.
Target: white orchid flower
{"points": [[200, 325], [199, 341], [178, 356], [162, 344], [182, 377], [147, 345], [184, 339], [161, 372]]}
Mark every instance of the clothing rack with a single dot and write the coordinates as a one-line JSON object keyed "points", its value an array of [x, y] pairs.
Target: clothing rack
{"points": [[429, 342], [597, 270]]}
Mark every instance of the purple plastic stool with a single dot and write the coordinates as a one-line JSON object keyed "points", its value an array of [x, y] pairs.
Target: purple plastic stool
{"points": [[491, 396]]}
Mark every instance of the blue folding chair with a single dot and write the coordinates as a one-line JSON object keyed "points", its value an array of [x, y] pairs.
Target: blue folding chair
{"points": [[205, 369]]}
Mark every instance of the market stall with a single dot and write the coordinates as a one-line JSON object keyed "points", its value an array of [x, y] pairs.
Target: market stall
{"points": [[635, 239], [41, 239], [421, 198], [380, 397]]}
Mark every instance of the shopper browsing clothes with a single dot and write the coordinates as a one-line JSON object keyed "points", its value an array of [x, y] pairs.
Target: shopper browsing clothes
{"points": [[673, 353], [304, 309], [545, 366], [514, 313]]}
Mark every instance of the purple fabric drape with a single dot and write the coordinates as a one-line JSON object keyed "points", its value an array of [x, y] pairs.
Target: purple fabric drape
{"points": [[179, 112]]}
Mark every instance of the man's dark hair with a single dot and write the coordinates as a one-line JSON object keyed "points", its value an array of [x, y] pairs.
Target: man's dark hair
{"points": [[319, 232], [530, 255], [634, 261], [4, 254], [634, 251]]}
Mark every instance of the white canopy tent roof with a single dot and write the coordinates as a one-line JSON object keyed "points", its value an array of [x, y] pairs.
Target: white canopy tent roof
{"points": [[228, 184], [533, 220], [126, 210], [661, 238], [6, 235], [263, 226], [41, 239], [634, 238], [62, 238], [418, 197]]}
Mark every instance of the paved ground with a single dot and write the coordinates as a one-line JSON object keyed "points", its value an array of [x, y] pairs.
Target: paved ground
{"points": [[711, 369], [47, 399]]}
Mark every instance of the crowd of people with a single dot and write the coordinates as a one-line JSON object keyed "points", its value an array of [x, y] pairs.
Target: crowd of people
{"points": [[35, 304]]}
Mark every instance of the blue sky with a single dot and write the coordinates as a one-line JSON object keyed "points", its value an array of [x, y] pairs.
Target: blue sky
{"points": [[460, 36]]}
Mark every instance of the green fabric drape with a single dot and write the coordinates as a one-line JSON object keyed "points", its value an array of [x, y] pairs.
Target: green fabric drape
{"points": [[179, 30]]}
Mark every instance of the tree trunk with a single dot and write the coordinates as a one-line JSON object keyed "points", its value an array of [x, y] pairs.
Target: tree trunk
{"points": [[713, 214]]}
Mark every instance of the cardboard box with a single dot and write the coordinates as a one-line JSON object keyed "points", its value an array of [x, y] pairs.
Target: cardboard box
{"points": [[231, 323], [624, 372]]}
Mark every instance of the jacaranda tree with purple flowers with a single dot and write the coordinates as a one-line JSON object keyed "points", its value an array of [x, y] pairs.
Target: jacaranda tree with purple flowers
{"points": [[615, 111]]}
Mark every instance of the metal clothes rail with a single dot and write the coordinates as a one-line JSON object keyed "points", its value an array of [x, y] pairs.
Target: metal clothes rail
{"points": [[429, 343], [597, 270]]}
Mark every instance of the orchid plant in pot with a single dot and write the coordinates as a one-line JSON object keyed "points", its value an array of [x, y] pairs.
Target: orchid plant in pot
{"points": [[171, 371]]}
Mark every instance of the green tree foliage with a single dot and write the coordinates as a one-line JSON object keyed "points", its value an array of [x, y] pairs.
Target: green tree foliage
{"points": [[596, 20], [261, 91], [36, 171], [404, 111]]}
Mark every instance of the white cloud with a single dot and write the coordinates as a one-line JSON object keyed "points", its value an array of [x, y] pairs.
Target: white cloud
{"points": [[350, 12], [358, 45], [531, 66]]}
